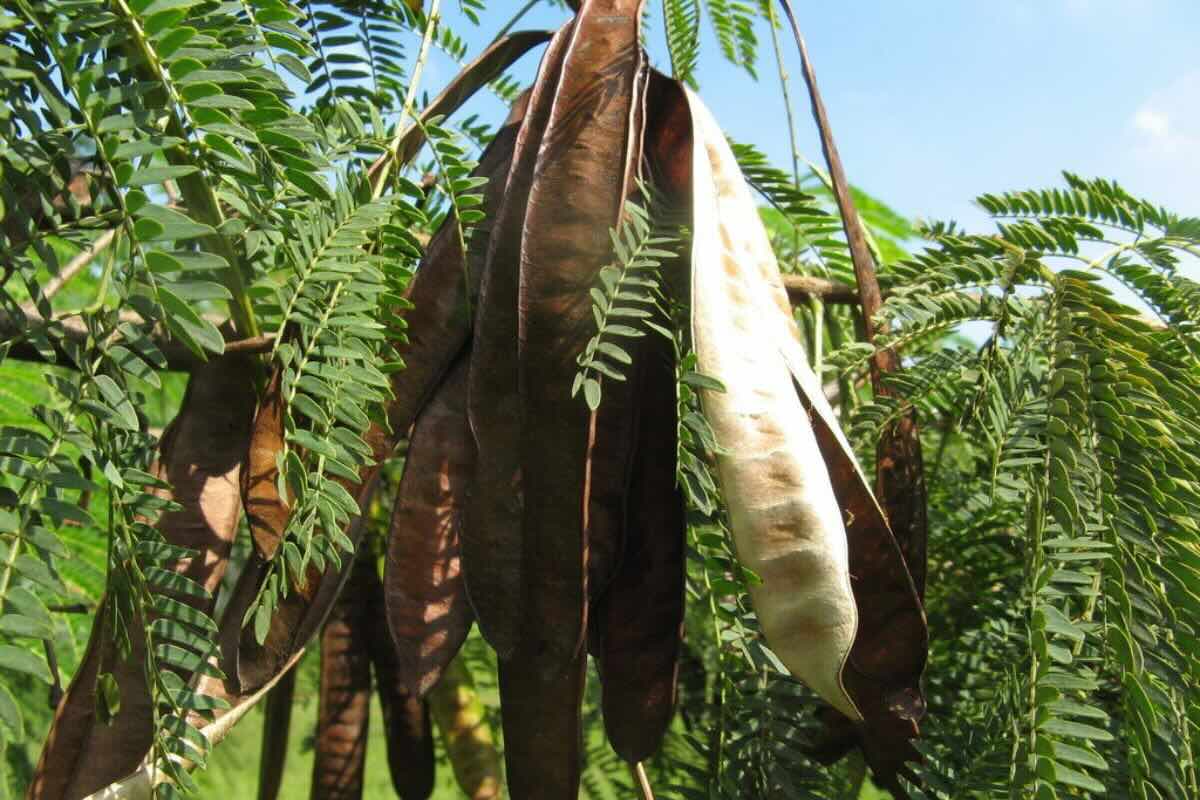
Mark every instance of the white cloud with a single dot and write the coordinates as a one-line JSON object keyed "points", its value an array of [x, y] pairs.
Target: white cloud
{"points": [[1161, 159], [1167, 123], [1154, 124]]}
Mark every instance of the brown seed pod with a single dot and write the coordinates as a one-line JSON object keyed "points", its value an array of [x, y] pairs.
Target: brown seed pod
{"points": [[491, 537], [406, 720], [301, 613], [585, 170], [266, 511], [277, 723], [343, 715], [200, 455], [427, 608], [542, 729], [444, 288], [641, 616]]}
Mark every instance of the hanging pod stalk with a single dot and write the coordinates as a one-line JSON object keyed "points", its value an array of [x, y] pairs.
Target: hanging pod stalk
{"points": [[200, 456], [585, 171]]}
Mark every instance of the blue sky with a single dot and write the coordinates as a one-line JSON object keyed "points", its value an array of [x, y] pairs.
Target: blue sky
{"points": [[935, 101]]}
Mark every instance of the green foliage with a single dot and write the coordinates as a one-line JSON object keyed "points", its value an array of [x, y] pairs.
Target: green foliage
{"points": [[1075, 429], [629, 296]]}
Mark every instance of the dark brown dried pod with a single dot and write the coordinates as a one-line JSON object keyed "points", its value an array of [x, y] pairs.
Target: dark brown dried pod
{"points": [[585, 171], [406, 720], [542, 729], [200, 455], [277, 723], [343, 716], [427, 607], [445, 287], [641, 616], [492, 547]]}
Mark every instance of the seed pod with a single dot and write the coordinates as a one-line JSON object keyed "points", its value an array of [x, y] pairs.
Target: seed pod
{"points": [[492, 548], [406, 721], [641, 616], [542, 729], [427, 608], [585, 170], [844, 644], [466, 734], [277, 722], [200, 455], [302, 612], [266, 510], [445, 286], [783, 514], [343, 715]]}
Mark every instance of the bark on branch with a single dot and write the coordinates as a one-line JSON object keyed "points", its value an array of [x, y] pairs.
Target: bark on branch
{"points": [[15, 328]]}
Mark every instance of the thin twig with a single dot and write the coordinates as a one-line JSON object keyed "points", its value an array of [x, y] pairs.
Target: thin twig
{"points": [[72, 608], [15, 342], [803, 288], [56, 689], [393, 153], [643, 781], [870, 298], [76, 264]]}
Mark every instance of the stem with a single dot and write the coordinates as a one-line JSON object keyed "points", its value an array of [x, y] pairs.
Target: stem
{"points": [[76, 264], [393, 153], [818, 308], [198, 194], [860, 255], [643, 780]]}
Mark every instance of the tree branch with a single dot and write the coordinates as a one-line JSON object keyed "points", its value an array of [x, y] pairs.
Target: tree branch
{"points": [[15, 330], [802, 288]]}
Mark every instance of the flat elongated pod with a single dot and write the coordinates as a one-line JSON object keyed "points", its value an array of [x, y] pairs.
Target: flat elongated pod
{"points": [[427, 607], [302, 612], [406, 720], [266, 510], [200, 455], [445, 287], [641, 616], [542, 729], [277, 723], [585, 170], [491, 537], [343, 715], [785, 519], [888, 652], [466, 734]]}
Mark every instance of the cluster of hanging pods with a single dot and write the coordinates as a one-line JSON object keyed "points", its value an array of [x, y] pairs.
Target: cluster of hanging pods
{"points": [[557, 529]]}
